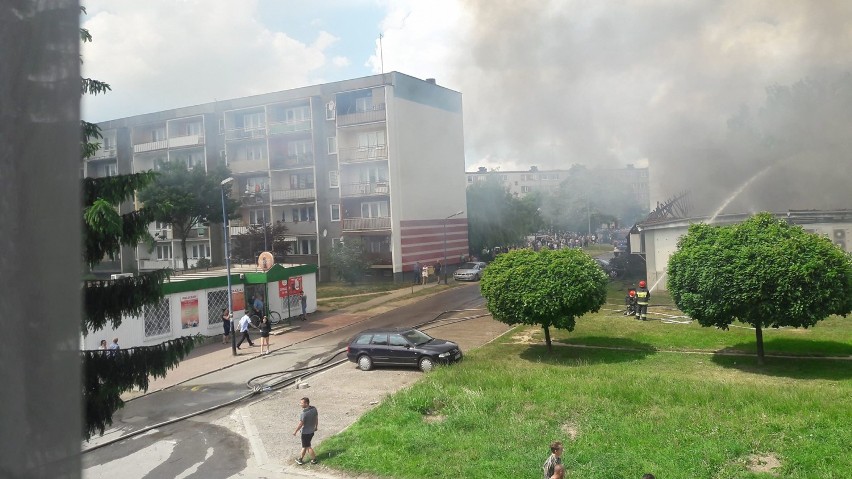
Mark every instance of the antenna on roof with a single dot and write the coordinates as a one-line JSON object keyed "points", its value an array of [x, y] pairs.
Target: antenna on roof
{"points": [[381, 53]]}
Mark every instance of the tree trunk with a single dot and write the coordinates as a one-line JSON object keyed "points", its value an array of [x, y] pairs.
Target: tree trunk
{"points": [[759, 335], [183, 248], [547, 339]]}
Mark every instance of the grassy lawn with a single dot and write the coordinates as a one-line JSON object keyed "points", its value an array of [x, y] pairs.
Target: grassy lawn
{"points": [[654, 407]]}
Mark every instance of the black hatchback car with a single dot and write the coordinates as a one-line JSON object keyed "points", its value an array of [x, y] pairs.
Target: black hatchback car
{"points": [[401, 347]]}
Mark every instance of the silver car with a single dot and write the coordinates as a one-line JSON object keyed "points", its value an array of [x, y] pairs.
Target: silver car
{"points": [[471, 271]]}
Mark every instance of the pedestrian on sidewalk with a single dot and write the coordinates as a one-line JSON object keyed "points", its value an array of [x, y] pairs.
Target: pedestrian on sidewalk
{"points": [[417, 269], [245, 322], [265, 327], [424, 276], [304, 301], [226, 325], [308, 424]]}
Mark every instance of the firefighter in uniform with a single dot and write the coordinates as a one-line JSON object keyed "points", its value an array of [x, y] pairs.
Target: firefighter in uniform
{"points": [[630, 302], [643, 296]]}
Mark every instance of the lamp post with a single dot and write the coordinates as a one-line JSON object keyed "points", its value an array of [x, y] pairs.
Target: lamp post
{"points": [[226, 182], [445, 243]]}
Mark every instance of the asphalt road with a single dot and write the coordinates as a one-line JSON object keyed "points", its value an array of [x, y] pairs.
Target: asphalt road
{"points": [[198, 447]]}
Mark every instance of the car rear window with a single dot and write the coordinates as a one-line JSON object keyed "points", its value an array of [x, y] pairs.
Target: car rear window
{"points": [[364, 339]]}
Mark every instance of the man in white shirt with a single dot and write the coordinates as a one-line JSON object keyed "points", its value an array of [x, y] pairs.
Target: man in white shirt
{"points": [[245, 322]]}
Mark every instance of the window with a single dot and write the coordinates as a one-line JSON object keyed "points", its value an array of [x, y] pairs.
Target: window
{"points": [[335, 212], [374, 209], [200, 251], [162, 226], [330, 111], [254, 121], [398, 340], [334, 179], [380, 340], [193, 128], [525, 189], [110, 169], [308, 246], [298, 113], [109, 143], [335, 242], [255, 152], [257, 184], [470, 179], [299, 149], [164, 251], [365, 103], [372, 142], [372, 174], [221, 125], [305, 213], [504, 177], [302, 181], [258, 217], [332, 145], [158, 134]]}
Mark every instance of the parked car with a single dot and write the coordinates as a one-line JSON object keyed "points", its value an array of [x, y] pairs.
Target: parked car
{"points": [[471, 271], [401, 347]]}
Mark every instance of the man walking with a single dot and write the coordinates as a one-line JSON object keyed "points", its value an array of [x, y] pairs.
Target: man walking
{"points": [[245, 322], [304, 301], [308, 424]]}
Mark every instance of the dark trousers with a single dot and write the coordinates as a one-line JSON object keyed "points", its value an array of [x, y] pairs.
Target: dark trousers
{"points": [[643, 311], [245, 338]]}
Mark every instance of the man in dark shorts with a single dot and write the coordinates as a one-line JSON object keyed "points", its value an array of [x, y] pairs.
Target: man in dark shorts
{"points": [[308, 424]]}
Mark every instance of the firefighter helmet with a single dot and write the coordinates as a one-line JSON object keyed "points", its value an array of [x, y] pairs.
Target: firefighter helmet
{"points": [[632, 293], [642, 283]]}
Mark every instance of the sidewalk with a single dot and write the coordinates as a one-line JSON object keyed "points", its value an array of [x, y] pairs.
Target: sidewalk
{"points": [[214, 356]]}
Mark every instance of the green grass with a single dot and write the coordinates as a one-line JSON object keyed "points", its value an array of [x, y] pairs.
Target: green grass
{"points": [[650, 408], [334, 290]]}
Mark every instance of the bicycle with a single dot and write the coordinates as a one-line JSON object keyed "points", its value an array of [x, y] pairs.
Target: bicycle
{"points": [[275, 318]]}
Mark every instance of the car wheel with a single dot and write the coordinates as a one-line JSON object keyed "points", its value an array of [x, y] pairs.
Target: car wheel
{"points": [[365, 363], [426, 365]]}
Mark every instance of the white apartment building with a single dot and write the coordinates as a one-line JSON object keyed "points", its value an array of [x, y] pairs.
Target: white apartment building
{"points": [[521, 183], [379, 158]]}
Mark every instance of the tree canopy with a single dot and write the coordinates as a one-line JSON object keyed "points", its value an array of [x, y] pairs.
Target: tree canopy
{"points": [[348, 260], [550, 288], [246, 245], [193, 196], [106, 302], [496, 218], [763, 272]]}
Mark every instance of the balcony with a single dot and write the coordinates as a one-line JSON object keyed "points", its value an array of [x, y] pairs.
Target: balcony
{"points": [[284, 162], [364, 189], [366, 224], [151, 146], [152, 264], [245, 134], [371, 115], [103, 153], [255, 198], [284, 127], [188, 140], [248, 166], [376, 259], [363, 154], [289, 195]]}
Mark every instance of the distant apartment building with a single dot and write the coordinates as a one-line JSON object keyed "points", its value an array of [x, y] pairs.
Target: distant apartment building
{"points": [[378, 158], [521, 183]]}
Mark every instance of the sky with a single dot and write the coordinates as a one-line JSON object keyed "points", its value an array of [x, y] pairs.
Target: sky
{"points": [[706, 94]]}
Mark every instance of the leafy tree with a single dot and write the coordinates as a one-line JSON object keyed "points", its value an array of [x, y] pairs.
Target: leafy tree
{"points": [[105, 230], [496, 218], [348, 260], [193, 197], [547, 287], [256, 236], [763, 272]]}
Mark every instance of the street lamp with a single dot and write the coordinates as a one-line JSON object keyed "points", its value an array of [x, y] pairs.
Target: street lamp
{"points": [[445, 243], [226, 182]]}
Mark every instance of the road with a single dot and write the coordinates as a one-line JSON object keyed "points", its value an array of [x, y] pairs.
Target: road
{"points": [[200, 447]]}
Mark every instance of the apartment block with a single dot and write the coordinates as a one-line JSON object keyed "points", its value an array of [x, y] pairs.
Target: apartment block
{"points": [[522, 183], [379, 158]]}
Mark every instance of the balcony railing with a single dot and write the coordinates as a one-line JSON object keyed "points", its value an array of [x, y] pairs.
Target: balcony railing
{"points": [[302, 160], [255, 198], [294, 195], [373, 114], [365, 189], [151, 146], [362, 154], [104, 153], [150, 264], [283, 127], [365, 224], [245, 134], [188, 140]]}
